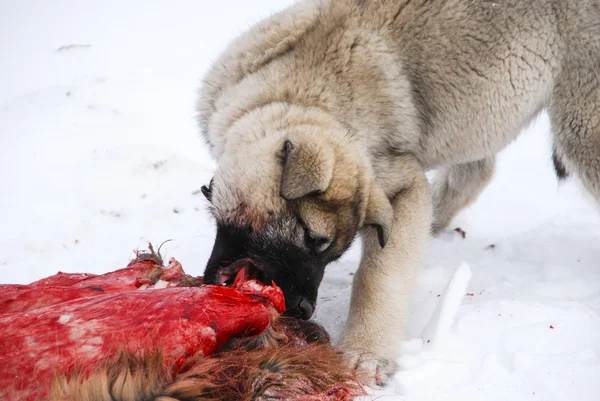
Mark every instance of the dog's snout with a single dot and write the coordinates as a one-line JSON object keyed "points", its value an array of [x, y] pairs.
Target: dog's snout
{"points": [[306, 309], [300, 308]]}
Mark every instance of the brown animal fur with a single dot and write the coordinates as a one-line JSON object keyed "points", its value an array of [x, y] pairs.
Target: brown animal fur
{"points": [[280, 364]]}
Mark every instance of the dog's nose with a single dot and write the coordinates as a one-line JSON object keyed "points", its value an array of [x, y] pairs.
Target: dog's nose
{"points": [[306, 309]]}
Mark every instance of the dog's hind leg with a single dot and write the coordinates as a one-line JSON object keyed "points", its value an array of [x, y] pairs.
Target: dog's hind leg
{"points": [[457, 186], [575, 118]]}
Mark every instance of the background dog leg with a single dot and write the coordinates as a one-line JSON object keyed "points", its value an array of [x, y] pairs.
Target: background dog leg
{"points": [[575, 116], [455, 187], [382, 285]]}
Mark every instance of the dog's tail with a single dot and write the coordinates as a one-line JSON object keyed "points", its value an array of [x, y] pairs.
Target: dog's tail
{"points": [[559, 166]]}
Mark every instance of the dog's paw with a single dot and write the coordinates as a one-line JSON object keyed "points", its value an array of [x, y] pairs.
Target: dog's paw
{"points": [[372, 370]]}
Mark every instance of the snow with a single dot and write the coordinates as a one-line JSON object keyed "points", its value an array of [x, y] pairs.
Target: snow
{"points": [[100, 153], [444, 315]]}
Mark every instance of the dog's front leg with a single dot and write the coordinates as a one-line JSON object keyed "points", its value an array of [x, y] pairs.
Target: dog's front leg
{"points": [[383, 284]]}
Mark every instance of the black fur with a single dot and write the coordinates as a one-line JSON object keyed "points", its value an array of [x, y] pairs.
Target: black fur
{"points": [[207, 191], [298, 270], [559, 167]]}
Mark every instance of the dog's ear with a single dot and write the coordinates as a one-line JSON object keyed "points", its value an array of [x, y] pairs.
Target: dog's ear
{"points": [[380, 213], [307, 168]]}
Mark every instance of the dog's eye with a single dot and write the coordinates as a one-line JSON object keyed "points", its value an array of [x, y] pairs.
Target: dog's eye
{"points": [[207, 191], [318, 243]]}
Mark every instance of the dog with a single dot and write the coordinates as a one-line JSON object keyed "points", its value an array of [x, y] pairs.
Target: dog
{"points": [[325, 117]]}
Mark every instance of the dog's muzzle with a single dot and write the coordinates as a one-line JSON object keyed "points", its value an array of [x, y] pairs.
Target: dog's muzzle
{"points": [[304, 309]]}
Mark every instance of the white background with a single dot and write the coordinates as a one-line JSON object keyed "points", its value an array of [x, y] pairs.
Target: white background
{"points": [[100, 152]]}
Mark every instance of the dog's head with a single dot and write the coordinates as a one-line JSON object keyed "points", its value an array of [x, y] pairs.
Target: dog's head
{"points": [[289, 202]]}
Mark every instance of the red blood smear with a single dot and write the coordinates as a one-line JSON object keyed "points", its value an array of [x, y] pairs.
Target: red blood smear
{"points": [[180, 322], [64, 287], [47, 336]]}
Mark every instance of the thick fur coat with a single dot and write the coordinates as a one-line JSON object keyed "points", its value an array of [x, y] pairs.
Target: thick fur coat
{"points": [[325, 117]]}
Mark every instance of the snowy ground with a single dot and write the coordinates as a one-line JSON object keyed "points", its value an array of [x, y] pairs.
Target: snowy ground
{"points": [[100, 152]]}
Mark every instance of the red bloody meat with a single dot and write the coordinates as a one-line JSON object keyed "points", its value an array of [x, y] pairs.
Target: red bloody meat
{"points": [[150, 332], [64, 287], [146, 272], [64, 279], [180, 322]]}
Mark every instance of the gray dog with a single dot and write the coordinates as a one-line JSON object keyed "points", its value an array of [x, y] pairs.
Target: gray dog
{"points": [[325, 118]]}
